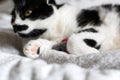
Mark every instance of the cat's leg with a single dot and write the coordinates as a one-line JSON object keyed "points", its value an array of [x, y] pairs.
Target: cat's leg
{"points": [[84, 43], [35, 47]]}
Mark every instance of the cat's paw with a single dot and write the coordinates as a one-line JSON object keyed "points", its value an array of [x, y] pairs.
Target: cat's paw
{"points": [[36, 47], [31, 49]]}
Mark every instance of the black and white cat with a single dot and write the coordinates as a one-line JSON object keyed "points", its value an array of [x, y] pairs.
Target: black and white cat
{"points": [[88, 30]]}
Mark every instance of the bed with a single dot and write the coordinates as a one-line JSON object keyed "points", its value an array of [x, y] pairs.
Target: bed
{"points": [[15, 66]]}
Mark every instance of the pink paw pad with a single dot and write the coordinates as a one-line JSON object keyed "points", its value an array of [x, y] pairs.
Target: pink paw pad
{"points": [[34, 49]]}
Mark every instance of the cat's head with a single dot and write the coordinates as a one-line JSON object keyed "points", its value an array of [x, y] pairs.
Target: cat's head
{"points": [[28, 13]]}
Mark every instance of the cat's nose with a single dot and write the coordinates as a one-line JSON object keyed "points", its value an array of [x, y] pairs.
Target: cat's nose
{"points": [[18, 28]]}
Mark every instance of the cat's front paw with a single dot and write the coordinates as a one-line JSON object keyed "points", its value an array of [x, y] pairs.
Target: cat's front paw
{"points": [[31, 49], [36, 47]]}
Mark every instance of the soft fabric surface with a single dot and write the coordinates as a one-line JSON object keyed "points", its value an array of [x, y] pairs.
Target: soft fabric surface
{"points": [[54, 66], [13, 67]]}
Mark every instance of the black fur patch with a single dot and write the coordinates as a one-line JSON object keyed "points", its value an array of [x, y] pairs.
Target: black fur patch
{"points": [[117, 8], [88, 17], [108, 6], [40, 9], [19, 27], [88, 30], [90, 42], [98, 47], [61, 47], [33, 33]]}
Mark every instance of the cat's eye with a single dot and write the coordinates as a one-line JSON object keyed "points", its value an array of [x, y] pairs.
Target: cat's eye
{"points": [[28, 12]]}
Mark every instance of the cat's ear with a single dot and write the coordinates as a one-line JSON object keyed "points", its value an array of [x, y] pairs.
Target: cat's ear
{"points": [[53, 2], [19, 2], [14, 1]]}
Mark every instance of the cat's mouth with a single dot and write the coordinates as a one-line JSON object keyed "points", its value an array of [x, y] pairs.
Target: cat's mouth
{"points": [[18, 28]]}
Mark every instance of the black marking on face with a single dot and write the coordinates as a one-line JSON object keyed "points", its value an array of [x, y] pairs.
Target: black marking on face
{"points": [[98, 47], [107, 6], [88, 17], [18, 28], [54, 3], [33, 33], [39, 9], [88, 30]]}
